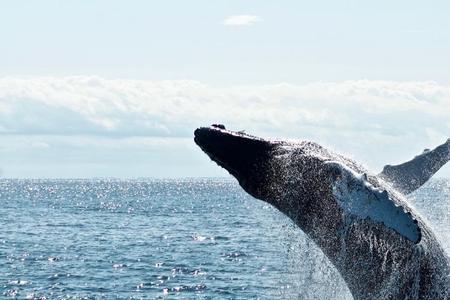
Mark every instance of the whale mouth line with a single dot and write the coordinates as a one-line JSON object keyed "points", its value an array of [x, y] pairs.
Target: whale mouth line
{"points": [[205, 137], [214, 157], [239, 153]]}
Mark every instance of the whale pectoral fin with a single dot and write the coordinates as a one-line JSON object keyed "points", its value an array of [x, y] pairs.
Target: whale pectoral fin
{"points": [[357, 197], [411, 175]]}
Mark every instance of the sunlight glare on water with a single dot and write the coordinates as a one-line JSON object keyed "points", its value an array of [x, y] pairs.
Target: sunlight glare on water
{"points": [[146, 239]]}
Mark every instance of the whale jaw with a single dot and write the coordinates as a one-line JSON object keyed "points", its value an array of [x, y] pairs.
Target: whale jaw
{"points": [[243, 156]]}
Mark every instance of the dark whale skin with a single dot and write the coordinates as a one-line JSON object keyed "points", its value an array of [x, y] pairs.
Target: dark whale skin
{"points": [[375, 258]]}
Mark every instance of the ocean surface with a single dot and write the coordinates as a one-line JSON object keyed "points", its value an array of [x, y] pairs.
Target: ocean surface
{"points": [[167, 239]]}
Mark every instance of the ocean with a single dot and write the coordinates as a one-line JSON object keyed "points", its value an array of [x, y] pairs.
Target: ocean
{"points": [[165, 239]]}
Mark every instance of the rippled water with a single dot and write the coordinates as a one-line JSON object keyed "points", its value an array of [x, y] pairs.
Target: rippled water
{"points": [[146, 239]]}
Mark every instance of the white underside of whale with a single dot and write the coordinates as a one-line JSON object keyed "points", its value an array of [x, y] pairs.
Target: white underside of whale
{"points": [[356, 196]]}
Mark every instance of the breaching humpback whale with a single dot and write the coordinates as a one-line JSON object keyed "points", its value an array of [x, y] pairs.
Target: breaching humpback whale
{"points": [[380, 245]]}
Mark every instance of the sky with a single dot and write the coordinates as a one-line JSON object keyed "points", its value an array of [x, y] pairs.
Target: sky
{"points": [[116, 88]]}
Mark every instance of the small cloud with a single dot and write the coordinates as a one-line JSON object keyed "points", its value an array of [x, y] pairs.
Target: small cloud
{"points": [[241, 20]]}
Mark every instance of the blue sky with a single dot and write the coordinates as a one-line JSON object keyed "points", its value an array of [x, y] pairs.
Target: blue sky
{"points": [[116, 88]]}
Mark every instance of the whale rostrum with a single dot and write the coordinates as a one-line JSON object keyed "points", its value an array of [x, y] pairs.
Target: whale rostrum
{"points": [[379, 244]]}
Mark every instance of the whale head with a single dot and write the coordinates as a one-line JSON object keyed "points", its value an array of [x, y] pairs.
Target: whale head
{"points": [[246, 157], [315, 187], [270, 170]]}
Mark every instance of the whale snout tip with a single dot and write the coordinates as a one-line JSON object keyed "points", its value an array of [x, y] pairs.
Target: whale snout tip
{"points": [[201, 130], [232, 150], [220, 126], [203, 133]]}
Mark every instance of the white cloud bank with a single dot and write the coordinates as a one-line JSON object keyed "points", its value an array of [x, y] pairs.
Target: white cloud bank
{"points": [[241, 20], [93, 105], [387, 121]]}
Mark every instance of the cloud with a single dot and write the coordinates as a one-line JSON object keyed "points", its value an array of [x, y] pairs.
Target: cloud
{"points": [[90, 119], [96, 106], [241, 20]]}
